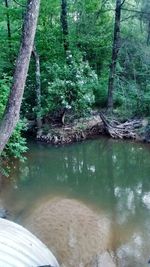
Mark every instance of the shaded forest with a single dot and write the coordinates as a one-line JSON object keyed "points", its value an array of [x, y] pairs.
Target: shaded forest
{"points": [[87, 55]]}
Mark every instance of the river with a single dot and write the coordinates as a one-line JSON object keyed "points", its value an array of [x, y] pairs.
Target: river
{"points": [[101, 180]]}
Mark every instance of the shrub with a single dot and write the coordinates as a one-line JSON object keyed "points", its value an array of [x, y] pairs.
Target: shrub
{"points": [[70, 86], [17, 144]]}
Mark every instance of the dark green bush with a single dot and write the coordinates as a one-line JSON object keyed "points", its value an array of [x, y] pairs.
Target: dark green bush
{"points": [[17, 144], [70, 86]]}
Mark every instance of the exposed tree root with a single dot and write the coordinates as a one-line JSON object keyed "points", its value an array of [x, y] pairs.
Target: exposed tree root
{"points": [[126, 130], [79, 130]]}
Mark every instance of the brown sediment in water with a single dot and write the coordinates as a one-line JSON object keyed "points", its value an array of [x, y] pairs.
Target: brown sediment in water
{"points": [[73, 232]]}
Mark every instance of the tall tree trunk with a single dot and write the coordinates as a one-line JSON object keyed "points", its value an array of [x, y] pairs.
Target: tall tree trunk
{"points": [[38, 86], [68, 55], [148, 35], [11, 114], [8, 27], [64, 23], [115, 50]]}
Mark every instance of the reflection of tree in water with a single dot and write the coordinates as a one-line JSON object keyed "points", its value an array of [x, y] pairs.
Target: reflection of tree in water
{"points": [[129, 214], [110, 174]]}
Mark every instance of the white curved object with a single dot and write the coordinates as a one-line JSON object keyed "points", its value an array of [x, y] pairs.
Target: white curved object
{"points": [[20, 248]]}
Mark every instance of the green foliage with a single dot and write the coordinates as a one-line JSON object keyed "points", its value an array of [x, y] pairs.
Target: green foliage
{"points": [[145, 105], [130, 101], [91, 32], [17, 144], [126, 98], [100, 91], [5, 82], [70, 86], [76, 86]]}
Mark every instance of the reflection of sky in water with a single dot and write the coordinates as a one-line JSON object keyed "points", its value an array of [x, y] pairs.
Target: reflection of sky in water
{"points": [[146, 200], [125, 204], [132, 252], [136, 251], [109, 175]]}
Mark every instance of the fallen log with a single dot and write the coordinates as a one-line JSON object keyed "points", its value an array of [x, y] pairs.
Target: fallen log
{"points": [[121, 130]]}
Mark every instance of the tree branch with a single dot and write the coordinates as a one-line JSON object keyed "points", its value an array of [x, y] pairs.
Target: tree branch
{"points": [[136, 11], [126, 9], [129, 17], [122, 3], [19, 3]]}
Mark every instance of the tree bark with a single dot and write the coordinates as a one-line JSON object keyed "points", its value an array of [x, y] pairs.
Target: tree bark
{"points": [[37, 86], [148, 35], [11, 114], [115, 51], [64, 23], [8, 27]]}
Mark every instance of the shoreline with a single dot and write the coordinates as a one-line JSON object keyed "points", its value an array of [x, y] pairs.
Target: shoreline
{"points": [[90, 128]]}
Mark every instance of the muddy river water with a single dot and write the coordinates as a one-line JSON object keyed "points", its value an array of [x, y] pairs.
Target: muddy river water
{"points": [[85, 199]]}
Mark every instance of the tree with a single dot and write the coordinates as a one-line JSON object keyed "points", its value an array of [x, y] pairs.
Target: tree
{"points": [[8, 25], [37, 86], [132, 91], [64, 23], [115, 51], [145, 17], [12, 111]]}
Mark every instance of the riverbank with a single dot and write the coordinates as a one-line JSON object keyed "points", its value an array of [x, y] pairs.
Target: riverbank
{"points": [[93, 126], [79, 130]]}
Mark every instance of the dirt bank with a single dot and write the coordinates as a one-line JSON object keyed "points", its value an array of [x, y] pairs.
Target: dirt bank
{"points": [[79, 130], [92, 127]]}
